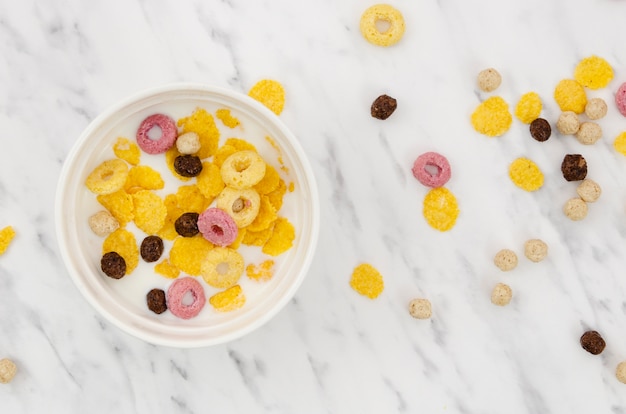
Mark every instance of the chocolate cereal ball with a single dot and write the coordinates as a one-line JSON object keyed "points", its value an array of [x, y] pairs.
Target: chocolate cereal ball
{"points": [[596, 108], [568, 123], [535, 250], [489, 80], [383, 107], [574, 167], [575, 209], [156, 301], [151, 248], [540, 129], [592, 342], [589, 133], [113, 265], [506, 260], [187, 224], [420, 308], [501, 294], [188, 165]]}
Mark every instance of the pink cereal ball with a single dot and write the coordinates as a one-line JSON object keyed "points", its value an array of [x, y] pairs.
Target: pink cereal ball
{"points": [[217, 226], [432, 169], [169, 133], [176, 298], [620, 99]]}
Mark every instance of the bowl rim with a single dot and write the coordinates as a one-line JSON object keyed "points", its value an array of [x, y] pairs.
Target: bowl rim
{"points": [[147, 93]]}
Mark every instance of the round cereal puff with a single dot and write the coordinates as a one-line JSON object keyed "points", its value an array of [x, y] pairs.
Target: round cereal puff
{"points": [[492, 117], [270, 93], [203, 124], [222, 267], [489, 80], [526, 174], [242, 205], [570, 96], [243, 169], [593, 72], [228, 300], [440, 209], [108, 177], [382, 13]]}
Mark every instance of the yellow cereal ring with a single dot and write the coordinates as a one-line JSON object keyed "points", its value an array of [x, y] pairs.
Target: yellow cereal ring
{"points": [[265, 217], [228, 300], [127, 150], [242, 205], [123, 242], [492, 117], [143, 177], [261, 272], [570, 96], [150, 211], [166, 269], [385, 13], [269, 182], [529, 107], [367, 281], [6, 236], [120, 205], [243, 169], [222, 267], [202, 123], [593, 72], [281, 239], [188, 253], [108, 177], [440, 209], [526, 174], [620, 143], [209, 181], [270, 93], [227, 119]]}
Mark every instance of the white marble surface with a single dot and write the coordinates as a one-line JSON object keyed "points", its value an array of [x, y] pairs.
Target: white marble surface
{"points": [[330, 350]]}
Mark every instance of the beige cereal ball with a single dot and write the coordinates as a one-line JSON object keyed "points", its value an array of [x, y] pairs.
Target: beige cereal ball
{"points": [[568, 123], [501, 294], [188, 143], [575, 209], [589, 133], [489, 80], [103, 223], [506, 260], [420, 308], [596, 108], [620, 372], [589, 190], [7, 370], [535, 250]]}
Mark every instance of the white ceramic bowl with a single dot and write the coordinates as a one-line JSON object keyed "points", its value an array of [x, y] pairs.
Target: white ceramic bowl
{"points": [[122, 302]]}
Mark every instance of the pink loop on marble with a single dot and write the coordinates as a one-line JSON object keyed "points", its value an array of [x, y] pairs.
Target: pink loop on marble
{"points": [[620, 99], [176, 295], [434, 161], [169, 133], [217, 226]]}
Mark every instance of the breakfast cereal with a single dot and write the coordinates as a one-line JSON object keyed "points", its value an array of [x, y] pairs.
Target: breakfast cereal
{"points": [[574, 167], [261, 272], [227, 118], [228, 300], [592, 342], [505, 260], [281, 238], [620, 372], [492, 117], [570, 96], [501, 294], [120, 205], [489, 80], [367, 281], [243, 169], [440, 209], [593, 72], [166, 269], [596, 108], [113, 265], [127, 150], [202, 123], [187, 224], [529, 107], [620, 143], [108, 177], [6, 236], [151, 248], [123, 242], [156, 301], [383, 107], [103, 223], [575, 209], [540, 129], [150, 211], [188, 143], [270, 93], [8, 369], [176, 294], [568, 123], [187, 165], [386, 13], [217, 226], [439, 165], [242, 205], [535, 250], [589, 133], [209, 181], [420, 308], [526, 174], [143, 177], [222, 267], [167, 138], [620, 99], [588, 190], [188, 253]]}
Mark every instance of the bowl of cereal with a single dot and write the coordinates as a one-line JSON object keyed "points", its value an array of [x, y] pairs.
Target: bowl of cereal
{"points": [[187, 215]]}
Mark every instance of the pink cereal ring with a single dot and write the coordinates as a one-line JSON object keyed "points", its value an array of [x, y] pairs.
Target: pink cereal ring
{"points": [[620, 99], [431, 169], [217, 226], [169, 132], [176, 296]]}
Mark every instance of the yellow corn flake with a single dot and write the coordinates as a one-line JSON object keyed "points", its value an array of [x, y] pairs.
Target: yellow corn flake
{"points": [[170, 157], [281, 239], [570, 96], [165, 268], [143, 177], [187, 253], [492, 117], [222, 153], [120, 205], [6, 236], [228, 300], [593, 72], [526, 174], [202, 123], [620, 143], [168, 231], [265, 216], [190, 199], [367, 281], [529, 107], [276, 196], [123, 243], [240, 144], [209, 181], [440, 209], [227, 119], [261, 272], [270, 93], [269, 182], [237, 242], [257, 238], [127, 150], [107, 177], [150, 211]]}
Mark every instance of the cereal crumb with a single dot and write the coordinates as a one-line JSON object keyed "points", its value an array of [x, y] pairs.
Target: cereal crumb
{"points": [[489, 80], [589, 133], [440, 209], [166, 269], [593, 72], [575, 209], [620, 143], [492, 117], [420, 308], [589, 190], [8, 369], [188, 143], [592, 342], [505, 260], [596, 108], [103, 223], [501, 294], [535, 250], [620, 372], [570, 96], [529, 107], [6, 236], [526, 174], [367, 281], [270, 93], [227, 119], [568, 123], [261, 272]]}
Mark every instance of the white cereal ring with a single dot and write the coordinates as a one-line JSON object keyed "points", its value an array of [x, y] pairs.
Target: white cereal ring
{"points": [[108, 177], [242, 205], [243, 169], [385, 13]]}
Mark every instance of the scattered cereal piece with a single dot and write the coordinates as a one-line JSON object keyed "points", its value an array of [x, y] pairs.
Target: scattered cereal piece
{"points": [[103, 223], [432, 169], [150, 211], [367, 281], [505, 260], [270, 93], [165, 268], [540, 129], [127, 150], [156, 301], [209, 181], [620, 143], [620, 372], [123, 243], [188, 143], [108, 177], [281, 239], [529, 107], [151, 248], [440, 209], [222, 267], [589, 133], [383, 107], [620, 99], [489, 80], [261, 272], [596, 108], [143, 177], [382, 13], [228, 300], [575, 209], [177, 295], [120, 205], [492, 117], [593, 72], [243, 169], [113, 265], [526, 174], [420, 308], [188, 165], [227, 119], [574, 167], [8, 369], [202, 123], [188, 253], [6, 236], [166, 128], [568, 123], [589, 190], [570, 96], [592, 342], [501, 294], [535, 250], [269, 182]]}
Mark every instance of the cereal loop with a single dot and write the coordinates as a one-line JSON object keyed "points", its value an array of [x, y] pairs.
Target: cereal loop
{"points": [[242, 205], [432, 169], [243, 169], [108, 177], [222, 267], [167, 138], [176, 297], [217, 226], [387, 14], [620, 99]]}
